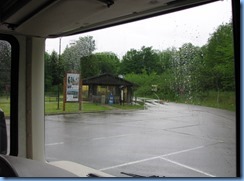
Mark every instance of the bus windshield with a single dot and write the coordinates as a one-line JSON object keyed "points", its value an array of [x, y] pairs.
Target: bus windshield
{"points": [[155, 97]]}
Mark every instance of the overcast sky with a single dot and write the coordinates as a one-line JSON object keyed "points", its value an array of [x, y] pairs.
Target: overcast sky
{"points": [[172, 30]]}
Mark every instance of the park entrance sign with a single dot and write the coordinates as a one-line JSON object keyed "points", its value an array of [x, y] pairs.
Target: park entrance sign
{"points": [[72, 89]]}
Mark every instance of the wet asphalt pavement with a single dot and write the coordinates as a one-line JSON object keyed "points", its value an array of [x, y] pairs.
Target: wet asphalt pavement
{"points": [[171, 140]]}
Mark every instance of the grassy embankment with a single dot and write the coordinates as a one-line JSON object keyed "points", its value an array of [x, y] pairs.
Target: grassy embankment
{"points": [[51, 107], [221, 100]]}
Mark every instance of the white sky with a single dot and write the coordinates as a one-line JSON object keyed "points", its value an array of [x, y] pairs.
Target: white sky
{"points": [[193, 25]]}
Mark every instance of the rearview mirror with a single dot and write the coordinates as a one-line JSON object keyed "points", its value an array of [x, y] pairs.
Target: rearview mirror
{"points": [[3, 134]]}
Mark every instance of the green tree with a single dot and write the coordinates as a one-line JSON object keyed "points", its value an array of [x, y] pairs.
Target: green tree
{"points": [[99, 63], [150, 60], [54, 71], [130, 62], [166, 58], [136, 61], [57, 69], [185, 70], [5, 66], [108, 62], [219, 58], [89, 66], [144, 82], [48, 72], [72, 55]]}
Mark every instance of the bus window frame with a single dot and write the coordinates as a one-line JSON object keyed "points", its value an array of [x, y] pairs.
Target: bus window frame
{"points": [[14, 89]]}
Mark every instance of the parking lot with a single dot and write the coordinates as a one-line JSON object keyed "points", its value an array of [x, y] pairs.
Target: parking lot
{"points": [[165, 140]]}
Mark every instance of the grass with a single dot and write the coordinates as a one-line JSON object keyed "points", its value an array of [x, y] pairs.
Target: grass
{"points": [[221, 100], [127, 106], [6, 108], [51, 107], [5, 105]]}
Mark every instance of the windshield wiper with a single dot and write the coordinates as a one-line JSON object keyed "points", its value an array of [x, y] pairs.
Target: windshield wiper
{"points": [[135, 175], [93, 175]]}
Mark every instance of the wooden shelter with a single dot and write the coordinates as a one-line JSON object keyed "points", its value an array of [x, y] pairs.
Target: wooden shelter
{"points": [[107, 89]]}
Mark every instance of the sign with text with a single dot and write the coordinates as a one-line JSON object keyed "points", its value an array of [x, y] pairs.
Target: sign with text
{"points": [[72, 87]]}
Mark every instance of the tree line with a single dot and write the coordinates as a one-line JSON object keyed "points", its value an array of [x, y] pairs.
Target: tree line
{"points": [[177, 72], [5, 67], [188, 71]]}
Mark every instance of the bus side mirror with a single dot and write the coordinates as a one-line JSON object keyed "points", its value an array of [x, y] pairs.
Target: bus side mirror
{"points": [[3, 134]]}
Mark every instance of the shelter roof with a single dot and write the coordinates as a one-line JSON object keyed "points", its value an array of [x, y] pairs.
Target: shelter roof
{"points": [[106, 79]]}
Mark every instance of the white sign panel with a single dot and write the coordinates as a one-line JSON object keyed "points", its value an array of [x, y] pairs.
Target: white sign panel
{"points": [[72, 87]]}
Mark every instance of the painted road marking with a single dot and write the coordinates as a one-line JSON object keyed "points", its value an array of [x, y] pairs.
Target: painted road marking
{"points": [[182, 151], [52, 144], [163, 158], [185, 166], [129, 163], [101, 138], [151, 158]]}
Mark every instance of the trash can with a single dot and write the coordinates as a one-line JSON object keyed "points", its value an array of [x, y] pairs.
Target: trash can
{"points": [[111, 99]]}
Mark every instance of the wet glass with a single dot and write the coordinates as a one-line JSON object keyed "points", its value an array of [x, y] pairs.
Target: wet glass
{"points": [[178, 118], [5, 82]]}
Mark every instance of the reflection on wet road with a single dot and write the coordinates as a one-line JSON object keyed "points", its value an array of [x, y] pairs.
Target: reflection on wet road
{"points": [[171, 140]]}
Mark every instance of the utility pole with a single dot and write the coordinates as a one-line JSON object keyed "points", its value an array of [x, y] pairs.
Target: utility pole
{"points": [[59, 63]]}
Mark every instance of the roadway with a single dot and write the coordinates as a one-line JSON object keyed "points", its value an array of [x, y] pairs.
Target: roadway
{"points": [[171, 140]]}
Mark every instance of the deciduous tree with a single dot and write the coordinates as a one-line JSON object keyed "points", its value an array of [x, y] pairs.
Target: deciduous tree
{"points": [[5, 66], [81, 48]]}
